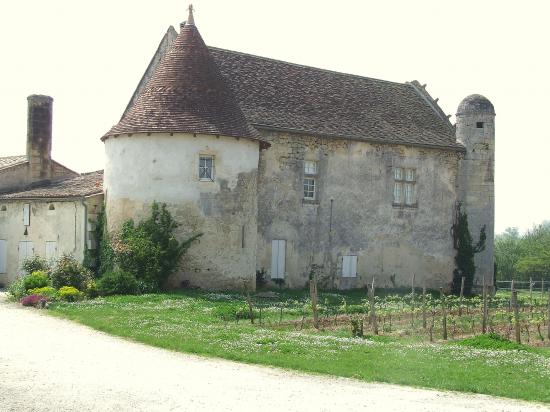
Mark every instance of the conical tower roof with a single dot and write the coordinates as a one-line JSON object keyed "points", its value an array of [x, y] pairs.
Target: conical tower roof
{"points": [[186, 94]]}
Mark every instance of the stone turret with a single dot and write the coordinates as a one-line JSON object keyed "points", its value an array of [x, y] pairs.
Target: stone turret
{"points": [[39, 137], [475, 129]]}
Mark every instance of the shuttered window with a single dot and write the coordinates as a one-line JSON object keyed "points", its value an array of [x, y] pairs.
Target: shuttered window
{"points": [[349, 266], [3, 255], [27, 214], [278, 255]]}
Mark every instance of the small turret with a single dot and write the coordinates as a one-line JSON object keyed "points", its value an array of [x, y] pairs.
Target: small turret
{"points": [[475, 129]]}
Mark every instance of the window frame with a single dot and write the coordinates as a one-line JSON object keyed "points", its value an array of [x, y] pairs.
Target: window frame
{"points": [[310, 181], [212, 167], [404, 187]]}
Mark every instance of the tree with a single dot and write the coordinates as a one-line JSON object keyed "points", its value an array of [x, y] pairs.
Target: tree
{"points": [[465, 251]]}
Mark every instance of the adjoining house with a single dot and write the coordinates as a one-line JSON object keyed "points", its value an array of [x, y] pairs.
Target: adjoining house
{"points": [[288, 170], [46, 209]]}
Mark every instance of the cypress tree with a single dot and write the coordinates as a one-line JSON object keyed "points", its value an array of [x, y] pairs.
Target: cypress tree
{"points": [[465, 251]]}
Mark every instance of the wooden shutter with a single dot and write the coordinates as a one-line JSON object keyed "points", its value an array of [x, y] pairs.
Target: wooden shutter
{"points": [[3, 256], [51, 250], [278, 252], [27, 214], [349, 266]]}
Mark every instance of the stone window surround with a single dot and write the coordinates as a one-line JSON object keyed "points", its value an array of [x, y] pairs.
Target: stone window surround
{"points": [[404, 177], [309, 182], [208, 169]]}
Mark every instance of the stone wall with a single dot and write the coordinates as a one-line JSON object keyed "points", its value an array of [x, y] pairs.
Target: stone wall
{"points": [[354, 214]]}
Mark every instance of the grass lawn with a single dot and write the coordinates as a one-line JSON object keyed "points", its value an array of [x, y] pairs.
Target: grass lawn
{"points": [[205, 324]]}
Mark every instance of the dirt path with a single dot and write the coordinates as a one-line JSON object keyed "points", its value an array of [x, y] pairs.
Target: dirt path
{"points": [[49, 364]]}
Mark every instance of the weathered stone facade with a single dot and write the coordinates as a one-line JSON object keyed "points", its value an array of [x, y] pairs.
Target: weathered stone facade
{"points": [[353, 213]]}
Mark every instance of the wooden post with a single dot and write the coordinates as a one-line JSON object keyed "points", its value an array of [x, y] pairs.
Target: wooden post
{"points": [[250, 310], [484, 323], [424, 305], [444, 313], [373, 319], [542, 288], [548, 313], [516, 315], [412, 300], [313, 294], [461, 295], [512, 288], [530, 295]]}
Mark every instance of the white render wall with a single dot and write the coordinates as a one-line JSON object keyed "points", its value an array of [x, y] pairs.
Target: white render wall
{"points": [[65, 225], [141, 169]]}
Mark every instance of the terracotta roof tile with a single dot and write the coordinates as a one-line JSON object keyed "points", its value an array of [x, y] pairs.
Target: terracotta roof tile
{"points": [[186, 94], [10, 161], [86, 184], [274, 94]]}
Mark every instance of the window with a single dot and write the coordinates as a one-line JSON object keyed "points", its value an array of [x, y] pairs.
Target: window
{"points": [[309, 188], [310, 170], [278, 254], [479, 125], [349, 266], [27, 214], [404, 186], [206, 168], [3, 255]]}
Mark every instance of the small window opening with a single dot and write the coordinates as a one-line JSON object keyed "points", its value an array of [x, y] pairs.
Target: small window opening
{"points": [[51, 207], [3, 208], [479, 125]]}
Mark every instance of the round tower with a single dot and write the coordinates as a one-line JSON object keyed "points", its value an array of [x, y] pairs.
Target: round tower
{"points": [[475, 129], [185, 142]]}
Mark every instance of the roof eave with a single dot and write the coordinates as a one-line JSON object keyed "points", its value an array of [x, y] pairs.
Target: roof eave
{"points": [[458, 147]]}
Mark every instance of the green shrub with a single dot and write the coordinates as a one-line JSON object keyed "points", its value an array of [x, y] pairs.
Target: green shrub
{"points": [[35, 263], [118, 282], [46, 291], [68, 272], [90, 289], [69, 293], [149, 251], [37, 279], [17, 288], [491, 341]]}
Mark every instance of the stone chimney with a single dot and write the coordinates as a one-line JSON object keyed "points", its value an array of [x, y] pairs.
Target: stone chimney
{"points": [[39, 137]]}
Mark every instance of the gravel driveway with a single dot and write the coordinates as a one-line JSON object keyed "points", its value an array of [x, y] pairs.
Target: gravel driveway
{"points": [[50, 364]]}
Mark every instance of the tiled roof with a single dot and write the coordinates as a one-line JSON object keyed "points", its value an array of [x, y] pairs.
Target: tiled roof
{"points": [[278, 95], [186, 94], [86, 184], [10, 161]]}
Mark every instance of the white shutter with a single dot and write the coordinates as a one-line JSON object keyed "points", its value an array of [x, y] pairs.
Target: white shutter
{"points": [[349, 266], [26, 249], [51, 250], [278, 252], [26, 214], [353, 269], [3, 256]]}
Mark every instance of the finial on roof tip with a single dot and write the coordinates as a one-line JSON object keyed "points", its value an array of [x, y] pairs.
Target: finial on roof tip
{"points": [[190, 19]]}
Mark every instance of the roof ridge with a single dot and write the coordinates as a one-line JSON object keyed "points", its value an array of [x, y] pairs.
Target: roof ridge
{"points": [[308, 67]]}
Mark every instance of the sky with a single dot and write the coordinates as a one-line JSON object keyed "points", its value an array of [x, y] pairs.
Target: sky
{"points": [[90, 56]]}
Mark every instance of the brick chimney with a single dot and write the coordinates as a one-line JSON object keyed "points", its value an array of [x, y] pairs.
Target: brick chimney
{"points": [[39, 137]]}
